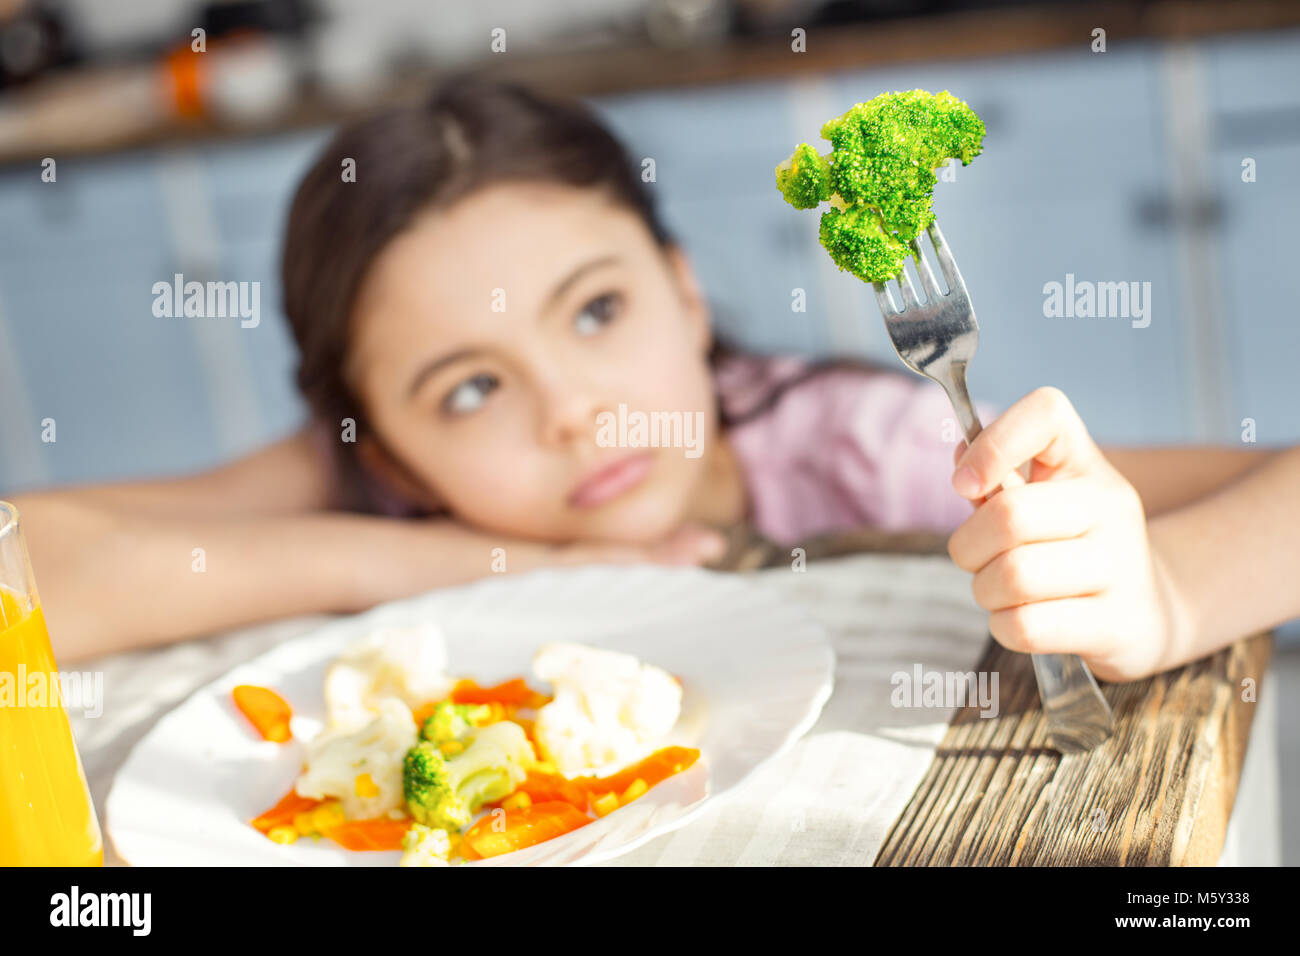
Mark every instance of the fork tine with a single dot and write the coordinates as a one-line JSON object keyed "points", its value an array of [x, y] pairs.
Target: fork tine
{"points": [[883, 300], [926, 273], [946, 262], [910, 301]]}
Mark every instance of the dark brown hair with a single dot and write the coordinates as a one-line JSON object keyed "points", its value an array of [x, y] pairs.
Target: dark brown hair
{"points": [[470, 133]]}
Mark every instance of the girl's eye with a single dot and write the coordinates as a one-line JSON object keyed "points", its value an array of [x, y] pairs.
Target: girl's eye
{"points": [[470, 394], [597, 314]]}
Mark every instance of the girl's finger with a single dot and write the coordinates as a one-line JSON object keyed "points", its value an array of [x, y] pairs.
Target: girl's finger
{"points": [[1044, 571], [1042, 511], [1065, 626], [956, 457], [1043, 426]]}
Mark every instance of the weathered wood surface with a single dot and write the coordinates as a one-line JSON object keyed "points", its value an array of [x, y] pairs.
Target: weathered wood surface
{"points": [[1158, 793]]}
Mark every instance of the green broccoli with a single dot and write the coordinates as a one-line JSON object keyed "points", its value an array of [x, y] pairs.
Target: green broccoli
{"points": [[805, 178], [452, 721], [879, 176], [444, 792]]}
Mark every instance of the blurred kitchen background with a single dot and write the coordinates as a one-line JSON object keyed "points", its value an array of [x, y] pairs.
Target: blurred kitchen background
{"points": [[1173, 157]]}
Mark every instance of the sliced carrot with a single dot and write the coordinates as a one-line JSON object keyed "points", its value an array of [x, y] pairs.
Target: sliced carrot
{"points": [[282, 814], [266, 709], [657, 767], [551, 787], [511, 693], [508, 696], [528, 826], [378, 833], [424, 712]]}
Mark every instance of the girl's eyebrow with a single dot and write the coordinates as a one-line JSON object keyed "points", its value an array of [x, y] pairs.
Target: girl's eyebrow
{"points": [[430, 368], [426, 371], [574, 276]]}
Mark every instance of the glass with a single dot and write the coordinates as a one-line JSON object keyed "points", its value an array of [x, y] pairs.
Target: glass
{"points": [[46, 815]]}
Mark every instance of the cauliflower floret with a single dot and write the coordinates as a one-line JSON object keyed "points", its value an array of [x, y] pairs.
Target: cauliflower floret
{"points": [[425, 846], [609, 709], [336, 758], [407, 662]]}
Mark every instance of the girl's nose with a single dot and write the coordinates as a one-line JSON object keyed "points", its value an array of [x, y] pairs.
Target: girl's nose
{"points": [[568, 415]]}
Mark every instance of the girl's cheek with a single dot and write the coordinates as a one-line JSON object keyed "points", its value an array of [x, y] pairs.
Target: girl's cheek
{"points": [[500, 470], [665, 361], [690, 383]]}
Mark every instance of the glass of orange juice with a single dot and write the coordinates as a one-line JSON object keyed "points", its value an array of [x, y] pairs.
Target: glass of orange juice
{"points": [[46, 815]]}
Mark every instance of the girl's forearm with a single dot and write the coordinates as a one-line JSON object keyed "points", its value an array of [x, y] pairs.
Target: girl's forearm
{"points": [[1168, 478], [110, 581], [1232, 559]]}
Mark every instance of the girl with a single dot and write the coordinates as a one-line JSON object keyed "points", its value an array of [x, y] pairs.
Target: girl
{"points": [[496, 280]]}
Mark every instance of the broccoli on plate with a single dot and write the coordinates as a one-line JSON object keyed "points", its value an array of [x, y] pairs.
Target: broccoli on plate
{"points": [[444, 791], [452, 721]]}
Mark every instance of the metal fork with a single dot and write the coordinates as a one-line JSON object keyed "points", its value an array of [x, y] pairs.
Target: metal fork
{"points": [[937, 339]]}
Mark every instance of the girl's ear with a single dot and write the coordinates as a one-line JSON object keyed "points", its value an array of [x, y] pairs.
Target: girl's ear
{"points": [[697, 309], [394, 475]]}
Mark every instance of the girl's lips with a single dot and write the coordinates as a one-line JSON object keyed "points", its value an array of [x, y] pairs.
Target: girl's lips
{"points": [[611, 481]]}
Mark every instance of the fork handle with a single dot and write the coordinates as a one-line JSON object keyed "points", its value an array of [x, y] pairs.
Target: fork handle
{"points": [[967, 416], [1078, 717]]}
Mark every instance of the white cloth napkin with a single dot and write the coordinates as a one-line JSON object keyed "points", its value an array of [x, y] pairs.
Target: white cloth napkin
{"points": [[830, 800]]}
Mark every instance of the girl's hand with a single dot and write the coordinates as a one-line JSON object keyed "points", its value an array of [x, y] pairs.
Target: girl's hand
{"points": [[1063, 563]]}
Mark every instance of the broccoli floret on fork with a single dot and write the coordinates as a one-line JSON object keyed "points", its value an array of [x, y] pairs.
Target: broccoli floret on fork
{"points": [[879, 176]]}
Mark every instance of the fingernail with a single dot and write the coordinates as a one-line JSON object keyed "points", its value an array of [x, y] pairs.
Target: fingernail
{"points": [[965, 482]]}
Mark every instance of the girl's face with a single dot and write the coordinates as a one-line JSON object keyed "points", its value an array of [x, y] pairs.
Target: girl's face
{"points": [[489, 337]]}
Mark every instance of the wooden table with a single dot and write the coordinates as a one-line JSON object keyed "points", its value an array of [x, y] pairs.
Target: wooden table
{"points": [[1159, 792]]}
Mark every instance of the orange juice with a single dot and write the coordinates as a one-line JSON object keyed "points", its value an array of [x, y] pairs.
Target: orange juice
{"points": [[46, 816]]}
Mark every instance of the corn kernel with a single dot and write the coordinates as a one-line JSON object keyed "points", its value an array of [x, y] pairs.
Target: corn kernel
{"points": [[635, 789], [365, 786], [544, 766], [451, 747], [283, 835], [605, 804], [325, 816], [302, 822], [517, 801], [498, 712]]}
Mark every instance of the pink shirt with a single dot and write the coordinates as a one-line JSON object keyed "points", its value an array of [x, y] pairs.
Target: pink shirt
{"points": [[846, 448]]}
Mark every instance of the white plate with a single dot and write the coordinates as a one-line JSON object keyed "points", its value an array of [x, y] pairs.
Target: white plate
{"points": [[755, 670]]}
